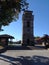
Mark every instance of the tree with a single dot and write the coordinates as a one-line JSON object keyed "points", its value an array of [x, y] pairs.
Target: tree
{"points": [[45, 38], [10, 9], [36, 37]]}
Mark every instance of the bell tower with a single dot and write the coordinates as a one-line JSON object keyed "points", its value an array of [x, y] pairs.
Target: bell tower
{"points": [[28, 32]]}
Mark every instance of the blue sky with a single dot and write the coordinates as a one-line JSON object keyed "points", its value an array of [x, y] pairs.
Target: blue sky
{"points": [[40, 10]]}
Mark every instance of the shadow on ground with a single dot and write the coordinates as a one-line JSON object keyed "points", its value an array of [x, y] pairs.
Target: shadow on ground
{"points": [[22, 48], [25, 47], [3, 50], [18, 48], [25, 60]]}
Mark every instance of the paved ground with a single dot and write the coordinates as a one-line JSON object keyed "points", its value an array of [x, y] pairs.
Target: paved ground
{"points": [[25, 57]]}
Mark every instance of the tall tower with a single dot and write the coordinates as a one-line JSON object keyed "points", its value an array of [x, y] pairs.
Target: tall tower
{"points": [[28, 33]]}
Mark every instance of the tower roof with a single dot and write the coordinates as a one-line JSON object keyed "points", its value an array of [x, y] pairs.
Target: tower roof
{"points": [[28, 11]]}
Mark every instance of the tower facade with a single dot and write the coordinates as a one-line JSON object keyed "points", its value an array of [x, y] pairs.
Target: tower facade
{"points": [[28, 33]]}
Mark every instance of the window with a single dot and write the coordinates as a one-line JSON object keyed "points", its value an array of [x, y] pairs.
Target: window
{"points": [[28, 24]]}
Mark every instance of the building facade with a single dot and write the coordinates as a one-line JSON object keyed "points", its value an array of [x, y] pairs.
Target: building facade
{"points": [[28, 32], [4, 39]]}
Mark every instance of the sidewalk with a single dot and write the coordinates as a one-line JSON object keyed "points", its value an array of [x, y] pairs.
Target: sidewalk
{"points": [[25, 57]]}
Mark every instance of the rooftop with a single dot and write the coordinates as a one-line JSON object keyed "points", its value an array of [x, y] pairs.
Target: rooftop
{"points": [[6, 36]]}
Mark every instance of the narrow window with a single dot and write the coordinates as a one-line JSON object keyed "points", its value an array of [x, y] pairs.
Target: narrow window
{"points": [[28, 24]]}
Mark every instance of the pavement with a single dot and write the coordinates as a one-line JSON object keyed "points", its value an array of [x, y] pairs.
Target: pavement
{"points": [[34, 56]]}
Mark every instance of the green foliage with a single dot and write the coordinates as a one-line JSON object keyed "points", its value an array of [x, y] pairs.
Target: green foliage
{"points": [[10, 9], [37, 37]]}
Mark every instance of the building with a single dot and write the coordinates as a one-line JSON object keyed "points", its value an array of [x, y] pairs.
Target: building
{"points": [[28, 26], [4, 39]]}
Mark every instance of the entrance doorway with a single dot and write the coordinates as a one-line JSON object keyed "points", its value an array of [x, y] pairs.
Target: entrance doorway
{"points": [[28, 41]]}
